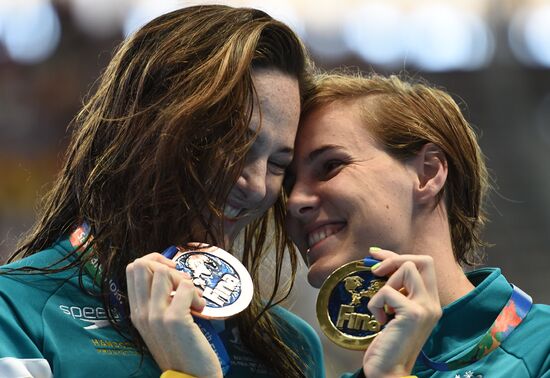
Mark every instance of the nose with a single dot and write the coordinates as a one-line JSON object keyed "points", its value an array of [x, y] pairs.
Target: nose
{"points": [[302, 201], [252, 181]]}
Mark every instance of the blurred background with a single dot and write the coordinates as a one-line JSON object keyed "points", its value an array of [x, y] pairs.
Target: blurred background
{"points": [[492, 55]]}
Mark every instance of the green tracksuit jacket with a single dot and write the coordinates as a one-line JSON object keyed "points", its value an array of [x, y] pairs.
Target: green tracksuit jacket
{"points": [[49, 327], [525, 353]]}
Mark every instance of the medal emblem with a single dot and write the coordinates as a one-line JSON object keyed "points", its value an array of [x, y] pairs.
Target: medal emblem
{"points": [[342, 305], [226, 284]]}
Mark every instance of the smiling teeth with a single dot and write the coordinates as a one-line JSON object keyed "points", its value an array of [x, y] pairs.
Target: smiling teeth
{"points": [[231, 212], [322, 233]]}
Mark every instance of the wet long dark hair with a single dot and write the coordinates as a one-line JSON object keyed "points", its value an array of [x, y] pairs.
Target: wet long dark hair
{"points": [[159, 145]]}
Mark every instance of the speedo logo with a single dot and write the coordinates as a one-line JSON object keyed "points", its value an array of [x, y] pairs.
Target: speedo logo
{"points": [[95, 316]]}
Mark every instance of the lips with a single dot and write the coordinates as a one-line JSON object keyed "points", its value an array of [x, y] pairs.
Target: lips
{"points": [[322, 232], [231, 212]]}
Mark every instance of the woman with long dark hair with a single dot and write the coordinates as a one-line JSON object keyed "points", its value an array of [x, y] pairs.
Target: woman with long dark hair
{"points": [[186, 138]]}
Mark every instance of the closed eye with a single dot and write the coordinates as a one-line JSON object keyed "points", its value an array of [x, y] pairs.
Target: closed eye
{"points": [[278, 167]]}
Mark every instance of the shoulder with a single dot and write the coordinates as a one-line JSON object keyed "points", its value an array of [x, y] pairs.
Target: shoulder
{"points": [[530, 341], [19, 285], [47, 258], [301, 338], [23, 297], [294, 323]]}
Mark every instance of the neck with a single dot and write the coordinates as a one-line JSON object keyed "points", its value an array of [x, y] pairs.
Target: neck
{"points": [[452, 283], [436, 242]]}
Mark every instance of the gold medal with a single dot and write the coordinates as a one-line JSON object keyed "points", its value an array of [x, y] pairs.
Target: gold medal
{"points": [[342, 305]]}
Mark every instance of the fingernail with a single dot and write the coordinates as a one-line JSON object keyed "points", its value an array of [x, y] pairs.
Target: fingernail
{"points": [[375, 266], [374, 249]]}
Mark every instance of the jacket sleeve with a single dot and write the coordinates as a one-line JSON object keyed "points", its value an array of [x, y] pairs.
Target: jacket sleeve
{"points": [[20, 355]]}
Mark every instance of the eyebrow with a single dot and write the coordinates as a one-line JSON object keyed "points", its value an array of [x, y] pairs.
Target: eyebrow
{"points": [[286, 150], [260, 140], [321, 150]]}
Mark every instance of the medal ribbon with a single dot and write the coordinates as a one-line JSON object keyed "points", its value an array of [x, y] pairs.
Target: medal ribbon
{"points": [[367, 261], [207, 328], [80, 239], [507, 320]]}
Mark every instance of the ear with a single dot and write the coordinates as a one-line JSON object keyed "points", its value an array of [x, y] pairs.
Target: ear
{"points": [[431, 169]]}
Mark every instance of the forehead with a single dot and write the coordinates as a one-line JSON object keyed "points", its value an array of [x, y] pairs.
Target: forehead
{"points": [[278, 100], [338, 123], [277, 94]]}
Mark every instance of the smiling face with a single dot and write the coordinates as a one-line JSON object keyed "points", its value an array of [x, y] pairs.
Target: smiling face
{"points": [[259, 184], [348, 194]]}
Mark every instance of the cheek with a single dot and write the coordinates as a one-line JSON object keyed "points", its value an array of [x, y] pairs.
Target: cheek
{"points": [[342, 193], [273, 185], [273, 191], [292, 229]]}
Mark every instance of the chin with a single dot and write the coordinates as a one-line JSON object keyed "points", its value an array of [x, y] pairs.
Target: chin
{"points": [[321, 269], [228, 241], [315, 277]]}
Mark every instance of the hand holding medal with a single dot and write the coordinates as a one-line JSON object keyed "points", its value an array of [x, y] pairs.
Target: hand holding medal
{"points": [[162, 303], [405, 284]]}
